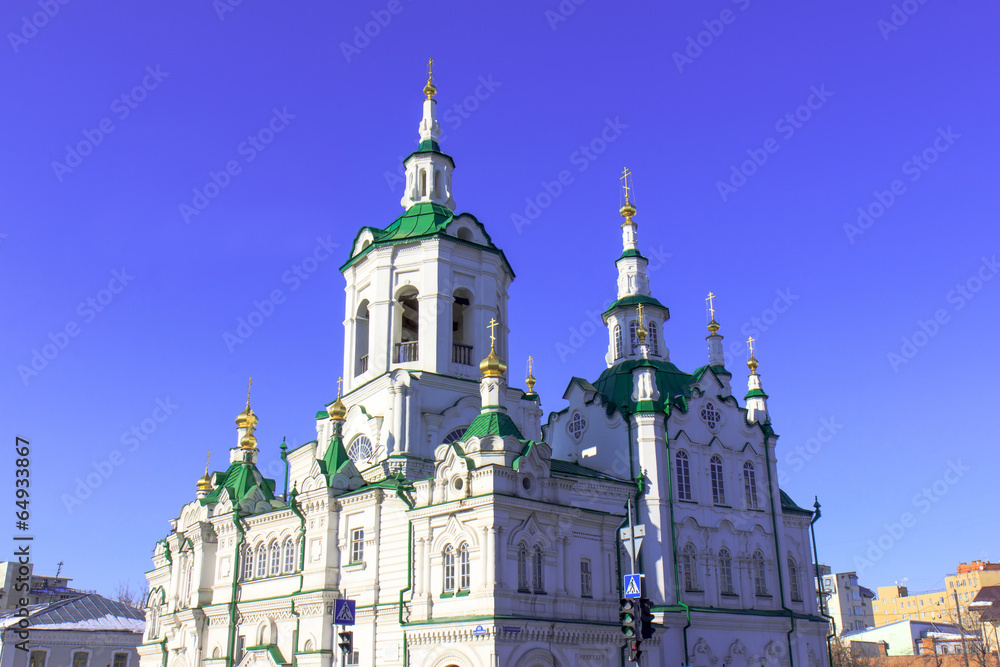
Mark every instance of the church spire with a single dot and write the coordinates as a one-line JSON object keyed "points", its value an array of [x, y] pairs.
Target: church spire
{"points": [[632, 278], [428, 170], [492, 384], [756, 398], [716, 357]]}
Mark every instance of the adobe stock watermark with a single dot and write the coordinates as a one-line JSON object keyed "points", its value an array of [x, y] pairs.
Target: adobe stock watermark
{"points": [[248, 149], [924, 500], [121, 107], [900, 14], [263, 309], [784, 299], [454, 116], [30, 25], [363, 35], [697, 43], [562, 12], [913, 169], [593, 321], [581, 158], [797, 458], [87, 310], [957, 298], [131, 440], [786, 126]]}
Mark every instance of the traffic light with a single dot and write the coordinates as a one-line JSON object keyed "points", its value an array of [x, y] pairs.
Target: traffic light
{"points": [[346, 641], [628, 614], [645, 618], [633, 650]]}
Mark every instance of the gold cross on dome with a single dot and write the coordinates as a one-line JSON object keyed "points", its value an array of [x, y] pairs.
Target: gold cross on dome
{"points": [[339, 380], [492, 325], [529, 364], [639, 311], [207, 458], [624, 178], [711, 304], [249, 384], [750, 342], [430, 69]]}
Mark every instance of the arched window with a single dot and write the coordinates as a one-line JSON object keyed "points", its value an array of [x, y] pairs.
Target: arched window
{"points": [[654, 346], [689, 567], [261, 561], [718, 488], [153, 625], [461, 336], [360, 449], [793, 580], [289, 555], [407, 326], [449, 569], [361, 339], [248, 563], [726, 572], [633, 335], [275, 559], [522, 568], [619, 353], [750, 485], [539, 571], [423, 182], [683, 476], [455, 435], [437, 183], [464, 568], [759, 573]]}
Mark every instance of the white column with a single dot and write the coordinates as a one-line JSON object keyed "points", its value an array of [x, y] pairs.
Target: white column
{"points": [[501, 560], [484, 550], [419, 566], [491, 560]]}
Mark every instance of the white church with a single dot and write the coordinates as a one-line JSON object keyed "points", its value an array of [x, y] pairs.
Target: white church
{"points": [[469, 532]]}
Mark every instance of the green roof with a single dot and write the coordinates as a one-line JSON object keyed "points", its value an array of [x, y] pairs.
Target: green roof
{"points": [[787, 504], [334, 459], [632, 253], [615, 384], [718, 370], [492, 423], [635, 300], [240, 480], [756, 392], [577, 470], [429, 146]]}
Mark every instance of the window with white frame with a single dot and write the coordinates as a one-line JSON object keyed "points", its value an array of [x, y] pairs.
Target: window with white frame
{"points": [[586, 578], [357, 545], [793, 581], [360, 449], [289, 555], [121, 660], [750, 485], [633, 335], [619, 353], [464, 568], [726, 572], [248, 563], [449, 569], [683, 476], [718, 486], [80, 658], [689, 567], [37, 659], [522, 568], [261, 561], [654, 347], [275, 559], [455, 435], [577, 425], [539, 571], [759, 573]]}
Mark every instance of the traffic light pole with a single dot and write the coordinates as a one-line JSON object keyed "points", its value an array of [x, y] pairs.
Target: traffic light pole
{"points": [[631, 530], [343, 657]]}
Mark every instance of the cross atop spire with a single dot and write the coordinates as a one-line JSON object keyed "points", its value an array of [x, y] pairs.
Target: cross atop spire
{"points": [[340, 380], [430, 89], [628, 210], [249, 384], [713, 326], [491, 326], [752, 362], [624, 179]]}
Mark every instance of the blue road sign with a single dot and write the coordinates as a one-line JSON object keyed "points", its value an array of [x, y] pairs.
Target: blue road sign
{"points": [[343, 612], [633, 585], [479, 630]]}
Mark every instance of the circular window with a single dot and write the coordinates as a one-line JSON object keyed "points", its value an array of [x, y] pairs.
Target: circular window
{"points": [[360, 449], [577, 425], [526, 483], [710, 415], [459, 483]]}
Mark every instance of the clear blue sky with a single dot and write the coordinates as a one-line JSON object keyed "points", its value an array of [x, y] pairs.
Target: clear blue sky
{"points": [[680, 114]]}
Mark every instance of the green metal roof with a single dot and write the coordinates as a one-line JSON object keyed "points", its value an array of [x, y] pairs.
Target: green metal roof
{"points": [[577, 470], [635, 300], [429, 146], [787, 504], [240, 480], [334, 459], [492, 423], [632, 253], [615, 384]]}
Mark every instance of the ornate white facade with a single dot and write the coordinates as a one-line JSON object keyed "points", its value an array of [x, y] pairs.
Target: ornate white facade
{"points": [[469, 533]]}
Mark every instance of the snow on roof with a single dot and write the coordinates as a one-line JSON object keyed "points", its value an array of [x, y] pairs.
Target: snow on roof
{"points": [[86, 612]]}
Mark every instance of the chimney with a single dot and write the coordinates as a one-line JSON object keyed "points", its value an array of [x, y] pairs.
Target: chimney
{"points": [[883, 648], [927, 646]]}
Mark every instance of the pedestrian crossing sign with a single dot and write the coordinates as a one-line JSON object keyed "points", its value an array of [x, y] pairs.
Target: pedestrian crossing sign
{"points": [[633, 585], [343, 612]]}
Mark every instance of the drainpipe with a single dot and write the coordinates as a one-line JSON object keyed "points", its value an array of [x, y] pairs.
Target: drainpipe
{"points": [[302, 541], [822, 608], [777, 550], [237, 565], [380, 498], [284, 457], [673, 543]]}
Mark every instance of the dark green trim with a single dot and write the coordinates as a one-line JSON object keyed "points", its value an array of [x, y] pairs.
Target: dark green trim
{"points": [[635, 300]]}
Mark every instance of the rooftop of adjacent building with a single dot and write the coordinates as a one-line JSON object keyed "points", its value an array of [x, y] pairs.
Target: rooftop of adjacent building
{"points": [[90, 612]]}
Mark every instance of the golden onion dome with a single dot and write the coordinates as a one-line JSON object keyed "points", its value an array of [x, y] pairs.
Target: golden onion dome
{"points": [[338, 410], [205, 484], [752, 364], [713, 326], [491, 366], [628, 210]]}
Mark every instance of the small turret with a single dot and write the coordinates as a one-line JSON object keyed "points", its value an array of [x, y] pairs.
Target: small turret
{"points": [[716, 356], [428, 170], [493, 369], [756, 398], [204, 486]]}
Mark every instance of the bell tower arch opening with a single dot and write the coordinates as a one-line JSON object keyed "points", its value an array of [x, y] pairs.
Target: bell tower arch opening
{"points": [[407, 326]]}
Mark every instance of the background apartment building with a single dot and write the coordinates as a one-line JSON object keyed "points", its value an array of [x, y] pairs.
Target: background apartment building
{"points": [[848, 602], [895, 603]]}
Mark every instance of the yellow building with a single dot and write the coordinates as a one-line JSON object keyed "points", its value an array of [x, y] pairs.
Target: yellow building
{"points": [[895, 604]]}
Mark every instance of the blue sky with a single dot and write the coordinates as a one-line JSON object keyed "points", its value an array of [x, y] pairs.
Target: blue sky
{"points": [[755, 131]]}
